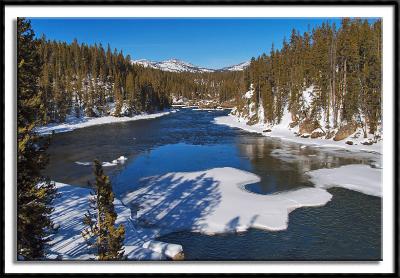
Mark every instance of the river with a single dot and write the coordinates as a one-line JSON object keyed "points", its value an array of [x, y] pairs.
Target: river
{"points": [[347, 228]]}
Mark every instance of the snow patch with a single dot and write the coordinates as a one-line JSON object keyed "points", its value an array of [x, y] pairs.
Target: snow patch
{"points": [[260, 113], [308, 96], [108, 164], [84, 163], [358, 177], [120, 160], [168, 249], [115, 162], [250, 92]]}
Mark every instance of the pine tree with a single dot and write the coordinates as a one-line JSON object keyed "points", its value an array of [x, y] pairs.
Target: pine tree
{"points": [[34, 192], [78, 95], [118, 100], [101, 233], [130, 90], [347, 53]]}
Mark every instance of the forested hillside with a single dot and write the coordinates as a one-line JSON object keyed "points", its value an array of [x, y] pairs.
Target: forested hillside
{"points": [[85, 80], [329, 76], [89, 80]]}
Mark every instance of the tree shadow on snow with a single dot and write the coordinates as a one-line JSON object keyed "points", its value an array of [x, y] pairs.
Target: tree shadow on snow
{"points": [[172, 203]]}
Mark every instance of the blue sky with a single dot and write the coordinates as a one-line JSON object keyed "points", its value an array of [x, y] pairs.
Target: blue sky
{"points": [[212, 43]]}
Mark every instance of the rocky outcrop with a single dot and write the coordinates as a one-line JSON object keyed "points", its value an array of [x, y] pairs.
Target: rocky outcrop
{"points": [[308, 126], [179, 257], [367, 143], [317, 134], [345, 131]]}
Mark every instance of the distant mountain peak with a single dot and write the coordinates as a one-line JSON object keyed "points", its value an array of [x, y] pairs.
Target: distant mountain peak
{"points": [[175, 60], [238, 67], [177, 65]]}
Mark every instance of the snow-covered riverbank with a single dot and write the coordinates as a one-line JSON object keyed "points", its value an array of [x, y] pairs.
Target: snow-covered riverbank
{"points": [[69, 244], [284, 132], [72, 123], [211, 202]]}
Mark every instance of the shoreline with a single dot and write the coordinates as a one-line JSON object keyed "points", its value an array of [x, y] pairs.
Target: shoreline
{"points": [[288, 135], [73, 122]]}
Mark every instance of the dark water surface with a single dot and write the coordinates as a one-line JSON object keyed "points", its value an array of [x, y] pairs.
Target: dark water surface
{"points": [[347, 228]]}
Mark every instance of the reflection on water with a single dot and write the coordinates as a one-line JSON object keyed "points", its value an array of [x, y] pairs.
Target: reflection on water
{"points": [[282, 165], [188, 141]]}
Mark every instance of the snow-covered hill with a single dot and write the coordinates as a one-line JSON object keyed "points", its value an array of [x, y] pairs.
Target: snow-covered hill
{"points": [[175, 65], [238, 67]]}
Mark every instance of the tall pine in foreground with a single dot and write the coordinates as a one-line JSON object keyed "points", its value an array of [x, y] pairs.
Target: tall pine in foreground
{"points": [[101, 233], [34, 192]]}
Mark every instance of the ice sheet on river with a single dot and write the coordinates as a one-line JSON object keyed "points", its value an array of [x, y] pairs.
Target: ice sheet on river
{"points": [[357, 177], [214, 201], [211, 201], [115, 162]]}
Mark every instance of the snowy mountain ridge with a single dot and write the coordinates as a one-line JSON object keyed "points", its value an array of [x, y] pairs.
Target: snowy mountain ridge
{"points": [[176, 65], [238, 67]]}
